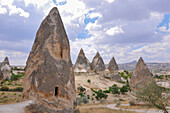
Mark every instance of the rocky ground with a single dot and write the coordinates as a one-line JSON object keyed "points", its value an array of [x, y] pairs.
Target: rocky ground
{"points": [[113, 104]]}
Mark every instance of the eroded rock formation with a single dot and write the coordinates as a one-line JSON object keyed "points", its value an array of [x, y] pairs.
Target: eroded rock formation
{"points": [[113, 67], [49, 78], [97, 63], [82, 63], [5, 69], [141, 75]]}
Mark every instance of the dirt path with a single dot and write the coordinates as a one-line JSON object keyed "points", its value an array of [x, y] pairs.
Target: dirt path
{"points": [[14, 108], [113, 106]]}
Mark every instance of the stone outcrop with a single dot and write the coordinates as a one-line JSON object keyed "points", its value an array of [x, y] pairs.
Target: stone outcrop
{"points": [[82, 63], [97, 63], [141, 75], [113, 67], [49, 78], [5, 70]]}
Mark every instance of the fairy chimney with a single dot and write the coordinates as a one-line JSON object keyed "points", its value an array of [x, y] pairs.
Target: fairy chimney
{"points": [[113, 67], [141, 75], [5, 69], [49, 78], [97, 63], [82, 63]]}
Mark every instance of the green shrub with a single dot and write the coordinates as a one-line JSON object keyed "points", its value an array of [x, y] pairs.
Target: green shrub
{"points": [[88, 80], [100, 94], [130, 76], [3, 81], [20, 89], [15, 94], [9, 83], [121, 99], [4, 88], [81, 89], [16, 77], [114, 89], [101, 101], [19, 95], [88, 96], [106, 91], [3, 93], [124, 89], [5, 97], [85, 100]]}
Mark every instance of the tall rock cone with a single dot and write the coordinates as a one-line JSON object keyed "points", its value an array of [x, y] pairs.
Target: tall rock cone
{"points": [[113, 67], [97, 63], [82, 63], [141, 75], [49, 78], [5, 69]]}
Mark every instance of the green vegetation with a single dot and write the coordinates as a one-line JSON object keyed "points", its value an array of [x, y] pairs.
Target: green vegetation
{"points": [[114, 89], [99, 94], [88, 80], [16, 77], [155, 96], [5, 88]]}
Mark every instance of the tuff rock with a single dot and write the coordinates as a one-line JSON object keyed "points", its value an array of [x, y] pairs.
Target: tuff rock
{"points": [[5, 70], [113, 67], [141, 75], [82, 63], [49, 78], [97, 63]]}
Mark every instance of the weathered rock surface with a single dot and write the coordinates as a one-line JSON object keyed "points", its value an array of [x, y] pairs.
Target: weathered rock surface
{"points": [[5, 70], [113, 67], [82, 63], [141, 75], [97, 63], [49, 78]]}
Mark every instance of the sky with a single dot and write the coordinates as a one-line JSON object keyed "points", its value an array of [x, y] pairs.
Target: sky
{"points": [[125, 29]]}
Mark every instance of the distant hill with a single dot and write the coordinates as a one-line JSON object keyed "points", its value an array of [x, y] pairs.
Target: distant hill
{"points": [[152, 66]]}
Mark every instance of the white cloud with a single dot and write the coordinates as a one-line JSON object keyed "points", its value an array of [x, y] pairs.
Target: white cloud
{"points": [[114, 30], [15, 57], [2, 10], [110, 1], [13, 9]]}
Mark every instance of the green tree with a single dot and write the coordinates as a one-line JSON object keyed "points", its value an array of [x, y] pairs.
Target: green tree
{"points": [[155, 96]]}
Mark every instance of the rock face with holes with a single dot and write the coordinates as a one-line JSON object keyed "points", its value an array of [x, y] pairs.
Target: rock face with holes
{"points": [[49, 78], [141, 75], [113, 67], [82, 63], [5, 70], [97, 63]]}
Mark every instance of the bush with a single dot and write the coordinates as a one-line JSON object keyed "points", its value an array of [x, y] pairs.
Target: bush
{"points": [[101, 101], [20, 89], [81, 89], [88, 80], [85, 100], [4, 88], [114, 89], [16, 77], [124, 89], [132, 103], [100, 94], [3, 93], [3, 81], [5, 97], [9, 83]]}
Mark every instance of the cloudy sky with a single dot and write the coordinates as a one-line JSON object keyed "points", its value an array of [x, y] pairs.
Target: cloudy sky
{"points": [[125, 29]]}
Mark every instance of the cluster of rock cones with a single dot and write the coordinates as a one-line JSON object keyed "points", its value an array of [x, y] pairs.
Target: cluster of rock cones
{"points": [[83, 65], [49, 77]]}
